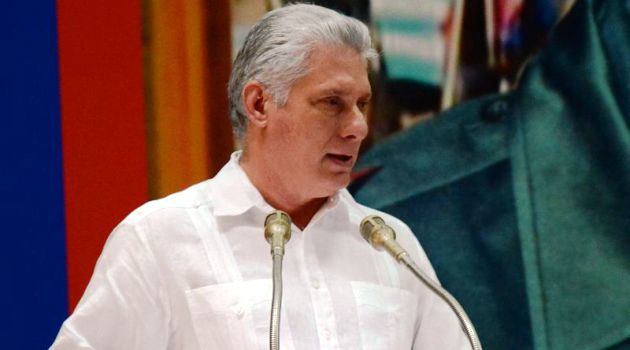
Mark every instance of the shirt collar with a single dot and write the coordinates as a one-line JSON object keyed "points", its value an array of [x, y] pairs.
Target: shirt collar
{"points": [[233, 192]]}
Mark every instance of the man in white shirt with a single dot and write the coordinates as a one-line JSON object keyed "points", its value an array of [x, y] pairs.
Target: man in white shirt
{"points": [[193, 270]]}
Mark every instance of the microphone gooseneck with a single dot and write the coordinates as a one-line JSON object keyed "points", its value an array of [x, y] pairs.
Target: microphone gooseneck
{"points": [[277, 233], [382, 237]]}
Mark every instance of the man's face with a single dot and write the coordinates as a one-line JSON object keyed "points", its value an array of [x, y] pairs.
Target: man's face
{"points": [[316, 135]]}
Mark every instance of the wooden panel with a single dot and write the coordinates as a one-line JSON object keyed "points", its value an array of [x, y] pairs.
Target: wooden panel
{"points": [[187, 62]]}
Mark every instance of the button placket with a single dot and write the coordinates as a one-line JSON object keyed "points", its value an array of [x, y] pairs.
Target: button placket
{"points": [[321, 298]]}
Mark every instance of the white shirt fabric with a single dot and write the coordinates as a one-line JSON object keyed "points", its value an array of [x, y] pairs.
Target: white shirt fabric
{"points": [[193, 271]]}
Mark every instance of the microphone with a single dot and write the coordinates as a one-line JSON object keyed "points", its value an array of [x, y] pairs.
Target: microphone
{"points": [[277, 233], [382, 237]]}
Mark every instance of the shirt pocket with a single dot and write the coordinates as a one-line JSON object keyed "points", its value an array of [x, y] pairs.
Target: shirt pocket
{"points": [[387, 316], [235, 315]]}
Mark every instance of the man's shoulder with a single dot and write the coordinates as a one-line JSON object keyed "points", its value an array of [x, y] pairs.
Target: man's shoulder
{"points": [[195, 196], [358, 212]]}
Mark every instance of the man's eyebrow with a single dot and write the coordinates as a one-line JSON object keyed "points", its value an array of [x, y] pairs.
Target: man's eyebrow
{"points": [[333, 92], [337, 92]]}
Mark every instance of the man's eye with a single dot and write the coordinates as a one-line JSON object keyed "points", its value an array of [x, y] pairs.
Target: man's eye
{"points": [[333, 101], [363, 106]]}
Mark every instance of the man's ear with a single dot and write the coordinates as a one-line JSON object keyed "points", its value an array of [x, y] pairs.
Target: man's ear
{"points": [[255, 99]]}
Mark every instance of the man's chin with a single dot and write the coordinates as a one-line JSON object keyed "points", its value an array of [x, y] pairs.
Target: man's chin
{"points": [[336, 183]]}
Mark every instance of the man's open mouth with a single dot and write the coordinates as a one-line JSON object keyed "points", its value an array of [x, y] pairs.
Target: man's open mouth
{"points": [[342, 158]]}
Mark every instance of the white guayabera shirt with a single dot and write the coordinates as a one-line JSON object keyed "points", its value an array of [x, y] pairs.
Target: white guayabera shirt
{"points": [[193, 271]]}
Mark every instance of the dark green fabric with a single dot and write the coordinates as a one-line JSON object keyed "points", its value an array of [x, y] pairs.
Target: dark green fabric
{"points": [[522, 201]]}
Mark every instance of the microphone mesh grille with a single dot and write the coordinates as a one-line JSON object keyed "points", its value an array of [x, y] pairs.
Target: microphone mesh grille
{"points": [[369, 224]]}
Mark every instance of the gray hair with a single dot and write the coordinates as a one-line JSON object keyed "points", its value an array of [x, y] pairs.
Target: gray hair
{"points": [[277, 46]]}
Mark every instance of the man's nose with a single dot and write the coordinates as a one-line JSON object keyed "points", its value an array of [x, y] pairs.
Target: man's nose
{"points": [[355, 126]]}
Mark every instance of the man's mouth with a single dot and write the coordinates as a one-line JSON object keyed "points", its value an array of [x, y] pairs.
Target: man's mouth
{"points": [[341, 159]]}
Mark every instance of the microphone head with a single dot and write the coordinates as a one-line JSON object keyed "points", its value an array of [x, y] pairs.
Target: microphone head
{"points": [[380, 236], [369, 225], [278, 224], [375, 231]]}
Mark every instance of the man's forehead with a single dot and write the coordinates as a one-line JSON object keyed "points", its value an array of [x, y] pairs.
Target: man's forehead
{"points": [[344, 84], [338, 70]]}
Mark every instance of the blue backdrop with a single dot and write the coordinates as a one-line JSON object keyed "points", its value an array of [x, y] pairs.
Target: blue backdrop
{"points": [[33, 295]]}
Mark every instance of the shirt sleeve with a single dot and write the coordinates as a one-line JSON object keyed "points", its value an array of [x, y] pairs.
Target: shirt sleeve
{"points": [[124, 306]]}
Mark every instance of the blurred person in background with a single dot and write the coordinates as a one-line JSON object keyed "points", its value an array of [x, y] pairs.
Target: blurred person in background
{"points": [[522, 200]]}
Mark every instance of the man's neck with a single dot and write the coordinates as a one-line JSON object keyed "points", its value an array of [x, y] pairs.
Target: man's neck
{"points": [[279, 196], [300, 215]]}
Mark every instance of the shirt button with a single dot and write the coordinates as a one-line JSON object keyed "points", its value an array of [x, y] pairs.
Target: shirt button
{"points": [[239, 312], [326, 334], [392, 320], [315, 284]]}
